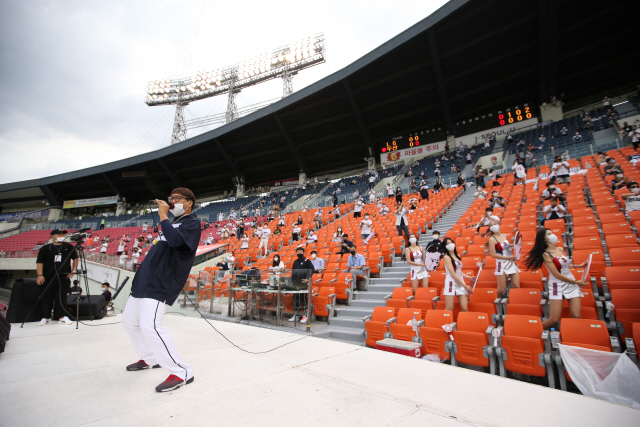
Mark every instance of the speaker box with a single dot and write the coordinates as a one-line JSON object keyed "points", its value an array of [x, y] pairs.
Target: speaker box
{"points": [[5, 329], [91, 307], [24, 295]]}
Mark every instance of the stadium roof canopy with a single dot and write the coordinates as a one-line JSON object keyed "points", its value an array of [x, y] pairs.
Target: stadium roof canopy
{"points": [[467, 59]]}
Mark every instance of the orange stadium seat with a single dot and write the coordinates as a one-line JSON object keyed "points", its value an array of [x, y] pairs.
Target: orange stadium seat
{"points": [[377, 325]]}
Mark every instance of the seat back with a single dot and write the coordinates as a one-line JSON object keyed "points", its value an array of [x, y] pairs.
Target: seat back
{"points": [[426, 294], [473, 322], [585, 333], [524, 296], [437, 318], [382, 314], [487, 295], [523, 326], [401, 293], [406, 314]]}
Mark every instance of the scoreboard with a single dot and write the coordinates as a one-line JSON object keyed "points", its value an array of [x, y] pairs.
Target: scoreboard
{"points": [[514, 115]]}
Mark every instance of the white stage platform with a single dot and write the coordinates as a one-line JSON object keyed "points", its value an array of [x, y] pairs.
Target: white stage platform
{"points": [[56, 375]]}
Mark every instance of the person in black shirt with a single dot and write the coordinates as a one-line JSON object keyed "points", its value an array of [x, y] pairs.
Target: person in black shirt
{"points": [[106, 293], [50, 258], [76, 289], [521, 161], [435, 242], [345, 245], [301, 272], [157, 284]]}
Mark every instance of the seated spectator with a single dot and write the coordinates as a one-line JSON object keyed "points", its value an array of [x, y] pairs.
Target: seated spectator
{"points": [[554, 210], [542, 139], [612, 168], [577, 137], [355, 265], [601, 158], [106, 293], [551, 191], [632, 199], [564, 131], [76, 289], [620, 181], [318, 263], [560, 169]]}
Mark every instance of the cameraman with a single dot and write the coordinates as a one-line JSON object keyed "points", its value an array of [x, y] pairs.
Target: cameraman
{"points": [[50, 258], [157, 284]]}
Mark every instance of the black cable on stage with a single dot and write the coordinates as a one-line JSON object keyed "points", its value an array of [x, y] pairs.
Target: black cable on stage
{"points": [[231, 342]]}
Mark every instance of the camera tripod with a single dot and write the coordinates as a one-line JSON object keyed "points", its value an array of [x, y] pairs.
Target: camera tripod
{"points": [[78, 249]]}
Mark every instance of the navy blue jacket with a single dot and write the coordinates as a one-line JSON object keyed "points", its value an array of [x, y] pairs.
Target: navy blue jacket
{"points": [[165, 269]]}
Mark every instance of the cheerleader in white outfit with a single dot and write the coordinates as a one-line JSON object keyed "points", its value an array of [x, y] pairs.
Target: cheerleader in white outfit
{"points": [[502, 251], [561, 282], [454, 281], [415, 258]]}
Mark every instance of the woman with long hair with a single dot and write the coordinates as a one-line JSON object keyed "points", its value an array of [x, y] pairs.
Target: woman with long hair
{"points": [[415, 258], [454, 280], [502, 251], [399, 195], [277, 267], [561, 282], [337, 237]]}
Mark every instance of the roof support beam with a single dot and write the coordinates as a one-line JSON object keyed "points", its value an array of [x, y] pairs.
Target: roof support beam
{"points": [[53, 200], [168, 172], [435, 60], [292, 145], [227, 157], [111, 184], [364, 131], [548, 49]]}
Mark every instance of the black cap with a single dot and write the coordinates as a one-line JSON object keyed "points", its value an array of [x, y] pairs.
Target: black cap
{"points": [[56, 231]]}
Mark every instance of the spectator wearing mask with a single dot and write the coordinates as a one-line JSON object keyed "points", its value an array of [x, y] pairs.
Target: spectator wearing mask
{"points": [[612, 168], [346, 245], [295, 232], [551, 191], [121, 244], [398, 195], [519, 172], [454, 284], [103, 247], [577, 137], [106, 293], [240, 230], [122, 262], [620, 181], [424, 190], [357, 208], [564, 131], [632, 198], [469, 159], [311, 238], [366, 225], [277, 267], [435, 242], [554, 210], [509, 138], [415, 258], [318, 263], [562, 285], [372, 196], [384, 210], [389, 190], [487, 220], [301, 272], [245, 242], [502, 251], [402, 223], [264, 239], [355, 265], [479, 177], [337, 236], [496, 201], [560, 169]]}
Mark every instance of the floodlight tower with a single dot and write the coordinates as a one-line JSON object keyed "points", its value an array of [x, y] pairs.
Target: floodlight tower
{"points": [[283, 62]]}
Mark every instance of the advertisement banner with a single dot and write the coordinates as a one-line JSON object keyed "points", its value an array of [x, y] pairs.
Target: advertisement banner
{"points": [[98, 201], [416, 152], [499, 133], [15, 216], [102, 273]]}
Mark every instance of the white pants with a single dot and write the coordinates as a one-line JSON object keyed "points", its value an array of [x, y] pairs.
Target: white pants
{"points": [[264, 243], [142, 320]]}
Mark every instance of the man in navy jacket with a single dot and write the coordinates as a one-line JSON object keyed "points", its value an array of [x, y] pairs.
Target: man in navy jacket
{"points": [[157, 284]]}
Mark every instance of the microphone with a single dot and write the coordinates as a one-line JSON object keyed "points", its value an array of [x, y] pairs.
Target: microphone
{"points": [[121, 286]]}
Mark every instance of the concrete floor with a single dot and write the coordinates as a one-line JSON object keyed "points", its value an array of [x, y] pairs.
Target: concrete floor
{"points": [[56, 375]]}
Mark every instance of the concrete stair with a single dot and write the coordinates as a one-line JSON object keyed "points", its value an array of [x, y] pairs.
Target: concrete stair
{"points": [[347, 325]]}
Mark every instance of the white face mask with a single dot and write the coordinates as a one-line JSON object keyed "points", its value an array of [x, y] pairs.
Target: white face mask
{"points": [[413, 240], [495, 194], [104, 289], [635, 190], [619, 175], [313, 256], [178, 209], [436, 236], [495, 228], [60, 239], [552, 238], [276, 259], [552, 187], [451, 247], [366, 217]]}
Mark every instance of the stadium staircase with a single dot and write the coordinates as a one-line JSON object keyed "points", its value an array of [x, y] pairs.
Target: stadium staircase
{"points": [[348, 325]]}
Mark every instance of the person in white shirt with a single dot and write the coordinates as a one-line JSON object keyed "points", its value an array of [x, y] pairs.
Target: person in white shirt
{"points": [[337, 236], [402, 223], [281, 221], [149, 238], [209, 239], [122, 262], [551, 191], [606, 102], [554, 210], [104, 247], [295, 232], [144, 227], [258, 211], [318, 263], [372, 181], [224, 232], [487, 220], [317, 218], [561, 170], [265, 232], [135, 255], [482, 194], [221, 216], [564, 131], [304, 207], [120, 247], [357, 208], [542, 139], [245, 242], [520, 172], [632, 198], [577, 137], [384, 210], [311, 238], [366, 225], [276, 269], [390, 192], [372, 196]]}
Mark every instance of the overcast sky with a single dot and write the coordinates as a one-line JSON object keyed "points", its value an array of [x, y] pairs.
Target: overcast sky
{"points": [[73, 74]]}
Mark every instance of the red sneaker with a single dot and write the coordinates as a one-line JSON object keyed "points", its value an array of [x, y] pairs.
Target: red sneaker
{"points": [[172, 382]]}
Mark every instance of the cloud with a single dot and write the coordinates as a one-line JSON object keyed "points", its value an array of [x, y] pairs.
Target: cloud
{"points": [[73, 73]]}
